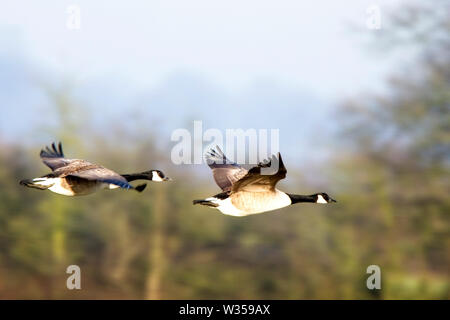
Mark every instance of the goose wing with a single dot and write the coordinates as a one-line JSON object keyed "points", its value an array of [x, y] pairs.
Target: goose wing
{"points": [[54, 157], [256, 181], [101, 174], [225, 172]]}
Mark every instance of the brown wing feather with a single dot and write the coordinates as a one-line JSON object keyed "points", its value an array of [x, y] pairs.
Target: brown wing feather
{"points": [[93, 172], [257, 180], [79, 169], [54, 157], [225, 172]]}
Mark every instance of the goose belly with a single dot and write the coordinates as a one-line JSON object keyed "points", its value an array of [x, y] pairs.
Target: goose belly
{"points": [[247, 203], [69, 187], [226, 207]]}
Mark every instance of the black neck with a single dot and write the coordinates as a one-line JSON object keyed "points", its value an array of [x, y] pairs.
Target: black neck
{"points": [[296, 198], [137, 176]]}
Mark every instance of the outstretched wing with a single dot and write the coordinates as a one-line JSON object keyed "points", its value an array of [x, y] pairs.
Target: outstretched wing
{"points": [[225, 172], [256, 180], [104, 175], [54, 157]]}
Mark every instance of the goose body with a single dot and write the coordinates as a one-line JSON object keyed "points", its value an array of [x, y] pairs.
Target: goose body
{"points": [[76, 177], [246, 192], [245, 203], [66, 187]]}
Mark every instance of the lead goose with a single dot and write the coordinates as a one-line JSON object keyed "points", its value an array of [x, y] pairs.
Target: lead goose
{"points": [[75, 177], [246, 192]]}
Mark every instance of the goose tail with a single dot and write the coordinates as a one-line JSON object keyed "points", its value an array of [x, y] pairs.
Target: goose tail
{"points": [[206, 202], [37, 183]]}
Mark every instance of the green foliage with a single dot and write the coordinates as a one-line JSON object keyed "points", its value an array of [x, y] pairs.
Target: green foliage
{"points": [[392, 173]]}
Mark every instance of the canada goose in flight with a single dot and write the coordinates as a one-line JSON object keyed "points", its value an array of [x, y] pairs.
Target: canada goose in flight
{"points": [[246, 192], [75, 177]]}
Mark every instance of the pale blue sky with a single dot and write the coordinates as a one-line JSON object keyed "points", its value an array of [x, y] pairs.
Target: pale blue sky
{"points": [[288, 61], [300, 42]]}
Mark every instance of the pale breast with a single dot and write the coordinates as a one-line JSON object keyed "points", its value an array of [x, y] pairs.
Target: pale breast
{"points": [[257, 202]]}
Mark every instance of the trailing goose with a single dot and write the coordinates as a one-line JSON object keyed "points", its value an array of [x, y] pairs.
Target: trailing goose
{"points": [[246, 192], [75, 177]]}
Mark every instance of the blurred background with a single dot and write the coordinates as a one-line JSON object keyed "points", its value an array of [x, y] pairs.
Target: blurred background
{"points": [[363, 114]]}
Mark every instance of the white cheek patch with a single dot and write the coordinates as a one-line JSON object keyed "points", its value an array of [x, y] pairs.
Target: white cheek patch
{"points": [[156, 177], [320, 199]]}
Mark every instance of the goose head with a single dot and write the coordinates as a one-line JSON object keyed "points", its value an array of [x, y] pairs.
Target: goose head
{"points": [[323, 198], [156, 175]]}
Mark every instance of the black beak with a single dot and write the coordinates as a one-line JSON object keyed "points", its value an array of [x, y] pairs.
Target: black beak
{"points": [[332, 200]]}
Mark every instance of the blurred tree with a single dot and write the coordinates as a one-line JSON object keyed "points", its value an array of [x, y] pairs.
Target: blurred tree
{"points": [[399, 165], [392, 174]]}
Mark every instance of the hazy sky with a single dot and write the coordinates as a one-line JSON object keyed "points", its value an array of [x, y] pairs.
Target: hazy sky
{"points": [[306, 43], [289, 61]]}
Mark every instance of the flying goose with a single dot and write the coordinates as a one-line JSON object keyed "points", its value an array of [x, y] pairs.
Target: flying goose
{"points": [[246, 192], [75, 177]]}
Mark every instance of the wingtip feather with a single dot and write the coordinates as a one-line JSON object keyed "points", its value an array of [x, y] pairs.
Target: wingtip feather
{"points": [[52, 151]]}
